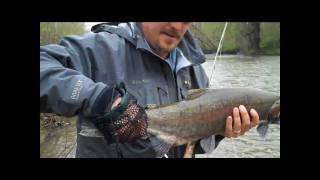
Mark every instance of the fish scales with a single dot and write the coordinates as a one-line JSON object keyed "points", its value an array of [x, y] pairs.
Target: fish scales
{"points": [[204, 111]]}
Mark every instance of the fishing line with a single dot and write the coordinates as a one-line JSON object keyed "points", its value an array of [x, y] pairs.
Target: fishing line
{"points": [[218, 51]]}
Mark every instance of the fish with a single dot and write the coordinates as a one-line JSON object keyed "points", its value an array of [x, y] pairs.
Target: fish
{"points": [[204, 112]]}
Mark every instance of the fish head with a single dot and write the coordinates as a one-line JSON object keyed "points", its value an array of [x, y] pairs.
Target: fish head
{"points": [[274, 113]]}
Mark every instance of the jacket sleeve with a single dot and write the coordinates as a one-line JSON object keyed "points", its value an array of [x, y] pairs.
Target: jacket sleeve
{"points": [[66, 87]]}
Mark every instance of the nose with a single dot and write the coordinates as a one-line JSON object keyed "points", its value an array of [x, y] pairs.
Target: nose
{"points": [[181, 26]]}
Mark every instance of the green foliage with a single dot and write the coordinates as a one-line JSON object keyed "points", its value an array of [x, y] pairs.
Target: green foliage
{"points": [[52, 32], [269, 36], [213, 32]]}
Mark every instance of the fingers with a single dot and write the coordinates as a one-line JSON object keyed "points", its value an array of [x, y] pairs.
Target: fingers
{"points": [[116, 102], [236, 122], [245, 123], [254, 118], [241, 121], [228, 131]]}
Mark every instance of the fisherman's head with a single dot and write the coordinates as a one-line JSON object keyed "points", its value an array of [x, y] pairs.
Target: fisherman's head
{"points": [[164, 36]]}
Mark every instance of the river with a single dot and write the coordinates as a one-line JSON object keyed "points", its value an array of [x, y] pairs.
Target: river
{"points": [[240, 71]]}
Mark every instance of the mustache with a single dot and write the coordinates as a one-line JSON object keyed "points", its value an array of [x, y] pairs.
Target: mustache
{"points": [[172, 32]]}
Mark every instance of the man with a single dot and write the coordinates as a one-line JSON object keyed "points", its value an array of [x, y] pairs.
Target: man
{"points": [[109, 76]]}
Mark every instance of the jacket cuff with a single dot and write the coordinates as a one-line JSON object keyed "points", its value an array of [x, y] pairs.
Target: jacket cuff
{"points": [[208, 145], [104, 100]]}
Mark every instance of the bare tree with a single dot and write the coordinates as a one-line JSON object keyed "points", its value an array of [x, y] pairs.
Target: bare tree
{"points": [[249, 38]]}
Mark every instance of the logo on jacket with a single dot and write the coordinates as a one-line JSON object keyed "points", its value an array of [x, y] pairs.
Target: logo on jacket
{"points": [[143, 81], [76, 90]]}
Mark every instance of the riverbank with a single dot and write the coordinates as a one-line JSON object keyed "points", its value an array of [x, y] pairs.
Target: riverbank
{"points": [[262, 52], [237, 56], [58, 141]]}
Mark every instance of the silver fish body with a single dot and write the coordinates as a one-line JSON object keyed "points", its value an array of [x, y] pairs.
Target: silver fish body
{"points": [[204, 112]]}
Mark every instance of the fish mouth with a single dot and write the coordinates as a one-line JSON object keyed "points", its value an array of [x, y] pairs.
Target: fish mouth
{"points": [[274, 114]]}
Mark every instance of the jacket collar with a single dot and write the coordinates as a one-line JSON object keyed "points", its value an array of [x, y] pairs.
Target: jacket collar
{"points": [[131, 31]]}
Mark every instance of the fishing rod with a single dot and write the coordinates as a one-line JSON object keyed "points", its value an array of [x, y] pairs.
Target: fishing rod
{"points": [[219, 50]]}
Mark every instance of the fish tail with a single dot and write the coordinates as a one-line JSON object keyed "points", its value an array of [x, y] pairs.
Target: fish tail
{"points": [[263, 128], [273, 118]]}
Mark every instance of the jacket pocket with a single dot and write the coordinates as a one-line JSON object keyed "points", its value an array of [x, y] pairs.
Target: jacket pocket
{"points": [[151, 95]]}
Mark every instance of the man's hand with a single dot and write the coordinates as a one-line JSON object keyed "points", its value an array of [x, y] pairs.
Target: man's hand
{"points": [[116, 102], [126, 121], [241, 121]]}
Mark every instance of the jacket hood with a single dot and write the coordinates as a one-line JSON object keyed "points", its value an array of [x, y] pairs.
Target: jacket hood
{"points": [[132, 33]]}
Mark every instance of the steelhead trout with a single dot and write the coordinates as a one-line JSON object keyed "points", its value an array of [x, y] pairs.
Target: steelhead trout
{"points": [[204, 113]]}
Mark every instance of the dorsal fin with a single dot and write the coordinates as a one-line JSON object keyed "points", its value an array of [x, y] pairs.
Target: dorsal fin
{"points": [[194, 93], [155, 106]]}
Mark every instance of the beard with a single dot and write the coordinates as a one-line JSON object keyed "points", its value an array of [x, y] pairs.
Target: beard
{"points": [[162, 51]]}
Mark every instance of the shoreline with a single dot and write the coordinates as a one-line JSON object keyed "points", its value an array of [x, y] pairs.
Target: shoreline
{"points": [[211, 56]]}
